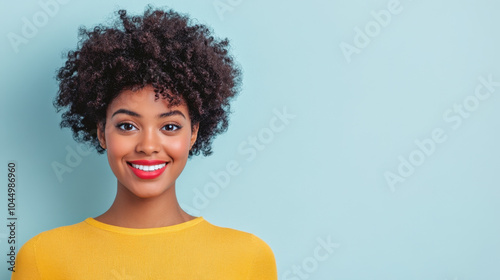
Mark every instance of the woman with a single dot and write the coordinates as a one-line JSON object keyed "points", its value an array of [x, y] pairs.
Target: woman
{"points": [[150, 91]]}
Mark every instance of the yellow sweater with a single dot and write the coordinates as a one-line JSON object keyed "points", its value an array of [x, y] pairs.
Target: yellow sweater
{"points": [[196, 249]]}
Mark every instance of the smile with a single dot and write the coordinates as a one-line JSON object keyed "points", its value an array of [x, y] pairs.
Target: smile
{"points": [[148, 167], [145, 169]]}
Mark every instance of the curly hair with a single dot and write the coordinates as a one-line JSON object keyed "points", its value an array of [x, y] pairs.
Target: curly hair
{"points": [[182, 60]]}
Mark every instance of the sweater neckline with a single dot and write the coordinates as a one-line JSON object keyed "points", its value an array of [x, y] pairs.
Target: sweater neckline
{"points": [[140, 231]]}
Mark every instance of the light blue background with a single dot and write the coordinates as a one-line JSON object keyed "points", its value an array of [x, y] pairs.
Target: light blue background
{"points": [[322, 175]]}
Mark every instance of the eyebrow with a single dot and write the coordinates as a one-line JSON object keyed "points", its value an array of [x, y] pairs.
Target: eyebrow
{"points": [[134, 114]]}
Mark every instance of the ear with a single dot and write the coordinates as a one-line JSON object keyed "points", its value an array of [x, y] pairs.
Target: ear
{"points": [[100, 135], [194, 134]]}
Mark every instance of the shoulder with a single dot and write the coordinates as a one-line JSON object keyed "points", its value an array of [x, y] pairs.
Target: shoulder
{"points": [[56, 234], [52, 238], [31, 254], [259, 253], [233, 235]]}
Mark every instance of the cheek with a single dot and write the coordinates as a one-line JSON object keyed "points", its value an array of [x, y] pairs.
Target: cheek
{"points": [[117, 147], [178, 147]]}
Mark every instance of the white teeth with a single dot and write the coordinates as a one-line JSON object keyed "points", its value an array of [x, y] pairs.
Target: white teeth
{"points": [[148, 167]]}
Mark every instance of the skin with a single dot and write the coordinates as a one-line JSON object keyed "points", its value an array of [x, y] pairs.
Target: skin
{"points": [[146, 203]]}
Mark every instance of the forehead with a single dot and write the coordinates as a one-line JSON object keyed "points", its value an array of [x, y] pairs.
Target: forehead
{"points": [[143, 100]]}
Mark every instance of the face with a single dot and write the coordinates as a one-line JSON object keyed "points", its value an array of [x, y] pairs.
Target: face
{"points": [[147, 141]]}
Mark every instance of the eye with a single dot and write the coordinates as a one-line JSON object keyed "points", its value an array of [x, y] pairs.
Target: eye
{"points": [[125, 126], [171, 127]]}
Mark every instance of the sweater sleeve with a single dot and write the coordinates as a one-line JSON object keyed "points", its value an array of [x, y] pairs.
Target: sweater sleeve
{"points": [[264, 264], [26, 266]]}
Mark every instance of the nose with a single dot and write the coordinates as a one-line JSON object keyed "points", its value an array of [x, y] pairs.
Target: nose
{"points": [[149, 142]]}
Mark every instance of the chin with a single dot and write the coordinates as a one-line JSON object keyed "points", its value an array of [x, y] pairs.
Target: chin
{"points": [[147, 190]]}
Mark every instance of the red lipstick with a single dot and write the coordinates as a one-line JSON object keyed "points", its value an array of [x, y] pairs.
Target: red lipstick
{"points": [[144, 168]]}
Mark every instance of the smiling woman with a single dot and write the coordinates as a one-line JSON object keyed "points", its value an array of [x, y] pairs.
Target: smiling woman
{"points": [[150, 91], [147, 144]]}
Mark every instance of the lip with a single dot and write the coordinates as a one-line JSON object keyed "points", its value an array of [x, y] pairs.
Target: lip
{"points": [[147, 174]]}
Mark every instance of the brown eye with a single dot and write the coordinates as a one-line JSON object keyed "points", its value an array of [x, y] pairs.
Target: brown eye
{"points": [[171, 127], [125, 126]]}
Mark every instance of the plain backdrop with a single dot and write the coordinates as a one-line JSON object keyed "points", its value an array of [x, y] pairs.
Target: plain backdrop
{"points": [[365, 135]]}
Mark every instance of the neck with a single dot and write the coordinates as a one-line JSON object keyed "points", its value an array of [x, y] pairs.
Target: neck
{"points": [[131, 211]]}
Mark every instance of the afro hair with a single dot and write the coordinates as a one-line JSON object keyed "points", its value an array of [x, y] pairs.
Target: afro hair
{"points": [[181, 59]]}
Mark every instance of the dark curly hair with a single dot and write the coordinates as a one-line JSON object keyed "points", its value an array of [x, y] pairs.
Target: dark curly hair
{"points": [[182, 60]]}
